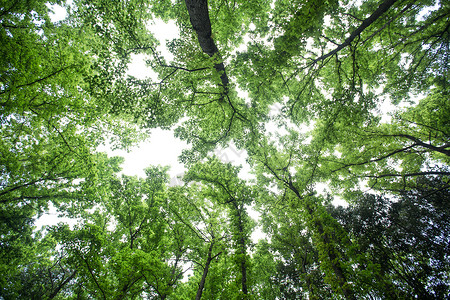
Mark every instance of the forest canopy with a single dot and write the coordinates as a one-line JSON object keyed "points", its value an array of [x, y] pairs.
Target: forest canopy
{"points": [[350, 95]]}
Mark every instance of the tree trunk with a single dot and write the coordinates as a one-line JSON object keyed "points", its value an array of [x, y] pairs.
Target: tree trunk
{"points": [[243, 252], [199, 17], [243, 268], [205, 273]]}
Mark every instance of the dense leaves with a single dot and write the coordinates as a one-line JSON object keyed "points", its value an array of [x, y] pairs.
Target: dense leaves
{"points": [[329, 101], [407, 238]]}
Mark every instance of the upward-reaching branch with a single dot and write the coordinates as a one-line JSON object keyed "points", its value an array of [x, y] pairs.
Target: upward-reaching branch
{"points": [[199, 17], [366, 23]]}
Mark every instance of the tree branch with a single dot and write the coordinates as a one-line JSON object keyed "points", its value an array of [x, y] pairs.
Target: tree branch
{"points": [[37, 80], [61, 285], [408, 174], [418, 142], [366, 23]]}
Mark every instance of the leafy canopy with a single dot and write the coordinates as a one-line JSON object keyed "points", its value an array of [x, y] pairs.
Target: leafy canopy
{"points": [[300, 87]]}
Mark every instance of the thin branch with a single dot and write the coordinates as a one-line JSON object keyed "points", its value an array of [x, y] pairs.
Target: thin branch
{"points": [[37, 80], [426, 126], [19, 187], [408, 174], [366, 23], [376, 159], [221, 185], [62, 284], [197, 232], [401, 13], [93, 276]]}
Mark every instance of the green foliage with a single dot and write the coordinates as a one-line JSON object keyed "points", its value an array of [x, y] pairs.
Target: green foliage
{"points": [[123, 248], [299, 86], [406, 238], [391, 155], [223, 186]]}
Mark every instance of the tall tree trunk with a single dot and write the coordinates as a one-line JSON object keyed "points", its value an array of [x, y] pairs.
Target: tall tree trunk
{"points": [[201, 286], [243, 252], [243, 268], [199, 17]]}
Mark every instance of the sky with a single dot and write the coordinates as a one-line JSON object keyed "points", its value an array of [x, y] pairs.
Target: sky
{"points": [[163, 148]]}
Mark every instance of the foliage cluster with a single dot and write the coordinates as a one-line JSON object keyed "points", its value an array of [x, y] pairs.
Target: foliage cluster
{"points": [[329, 66]]}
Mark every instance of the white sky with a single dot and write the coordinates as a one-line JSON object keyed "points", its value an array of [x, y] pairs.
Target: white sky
{"points": [[163, 148]]}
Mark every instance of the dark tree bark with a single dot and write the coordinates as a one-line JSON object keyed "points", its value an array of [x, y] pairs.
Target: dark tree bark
{"points": [[62, 284], [243, 247], [209, 259], [382, 8], [199, 17]]}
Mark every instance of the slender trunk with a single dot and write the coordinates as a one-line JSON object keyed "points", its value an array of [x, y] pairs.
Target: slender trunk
{"points": [[243, 268], [244, 277], [243, 253], [205, 273], [61, 285]]}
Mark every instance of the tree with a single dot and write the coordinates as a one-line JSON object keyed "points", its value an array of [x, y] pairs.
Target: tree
{"points": [[41, 275], [209, 228], [19, 208], [51, 125], [226, 189], [294, 176], [390, 156], [126, 247], [296, 273], [412, 255], [315, 75]]}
